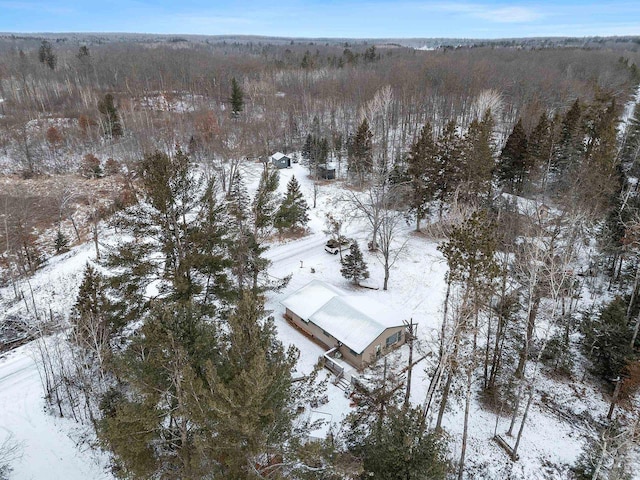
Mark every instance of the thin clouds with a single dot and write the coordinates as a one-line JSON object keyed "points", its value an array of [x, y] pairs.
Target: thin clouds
{"points": [[36, 7], [492, 13], [211, 20], [330, 18], [511, 15]]}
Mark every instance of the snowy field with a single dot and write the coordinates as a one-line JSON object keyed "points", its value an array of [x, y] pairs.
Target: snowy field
{"points": [[52, 448]]}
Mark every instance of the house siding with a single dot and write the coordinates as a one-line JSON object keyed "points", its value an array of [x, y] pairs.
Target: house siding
{"points": [[312, 330], [358, 360], [284, 162], [369, 353]]}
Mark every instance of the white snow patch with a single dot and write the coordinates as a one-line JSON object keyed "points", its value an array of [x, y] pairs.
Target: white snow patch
{"points": [[50, 447]]}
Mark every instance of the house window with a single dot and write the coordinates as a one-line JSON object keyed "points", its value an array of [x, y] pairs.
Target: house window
{"points": [[355, 354], [393, 339], [326, 334]]}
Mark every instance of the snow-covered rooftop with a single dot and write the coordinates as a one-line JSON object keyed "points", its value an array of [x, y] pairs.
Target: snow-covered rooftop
{"points": [[278, 155], [307, 300], [355, 321]]}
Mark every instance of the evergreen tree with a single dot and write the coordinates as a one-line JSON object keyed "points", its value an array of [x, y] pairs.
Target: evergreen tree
{"points": [[354, 267], [470, 253], [370, 54], [402, 450], [307, 60], [608, 454], [237, 98], [540, 147], [46, 55], [360, 151], [606, 340], [92, 318], [249, 409], [388, 437], [239, 230], [264, 203], [514, 166], [153, 422], [292, 212], [423, 171], [599, 177], [478, 158], [112, 126], [238, 201], [630, 150], [61, 243], [83, 53], [307, 149], [245, 248], [570, 143], [315, 152], [449, 148], [177, 239]]}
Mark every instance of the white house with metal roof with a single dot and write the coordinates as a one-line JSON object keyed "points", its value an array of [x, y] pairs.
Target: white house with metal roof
{"points": [[358, 327]]}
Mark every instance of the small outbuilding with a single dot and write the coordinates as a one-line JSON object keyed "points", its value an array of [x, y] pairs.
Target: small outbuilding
{"points": [[327, 171], [280, 160], [358, 327]]}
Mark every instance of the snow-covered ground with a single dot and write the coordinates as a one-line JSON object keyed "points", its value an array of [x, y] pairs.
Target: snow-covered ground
{"points": [[48, 447], [52, 447]]}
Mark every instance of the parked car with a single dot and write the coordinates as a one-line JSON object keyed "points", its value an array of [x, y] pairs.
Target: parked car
{"points": [[334, 246]]}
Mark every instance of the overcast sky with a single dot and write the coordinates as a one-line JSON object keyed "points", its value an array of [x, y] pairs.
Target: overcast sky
{"points": [[327, 18]]}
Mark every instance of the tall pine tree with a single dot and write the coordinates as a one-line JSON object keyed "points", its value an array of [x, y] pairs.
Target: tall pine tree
{"points": [[249, 406], [237, 98], [478, 158], [111, 124], [449, 147], [423, 171], [360, 151], [513, 167], [570, 147], [292, 212], [176, 239], [264, 203]]}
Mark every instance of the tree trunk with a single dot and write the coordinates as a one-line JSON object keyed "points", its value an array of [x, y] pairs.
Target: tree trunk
{"points": [[633, 292], [95, 240], [497, 352], [515, 411], [614, 398], [635, 332], [465, 431], [75, 227], [596, 472], [514, 455], [485, 378], [531, 322], [386, 275], [315, 193], [443, 402], [407, 393]]}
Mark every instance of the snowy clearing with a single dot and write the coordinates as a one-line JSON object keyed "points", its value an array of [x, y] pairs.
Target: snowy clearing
{"points": [[57, 448]]}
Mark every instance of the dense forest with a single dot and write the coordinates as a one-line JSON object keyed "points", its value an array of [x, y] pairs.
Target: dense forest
{"points": [[518, 160]]}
